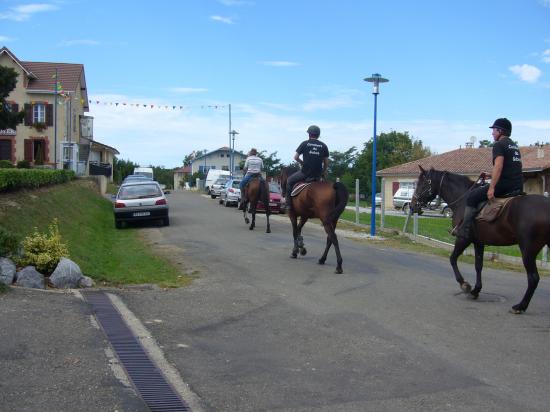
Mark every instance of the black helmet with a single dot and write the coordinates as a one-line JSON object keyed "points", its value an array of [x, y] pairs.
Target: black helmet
{"points": [[314, 130], [503, 124]]}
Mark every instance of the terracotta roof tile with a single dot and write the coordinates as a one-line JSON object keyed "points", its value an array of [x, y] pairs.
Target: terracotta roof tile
{"points": [[69, 75], [470, 161]]}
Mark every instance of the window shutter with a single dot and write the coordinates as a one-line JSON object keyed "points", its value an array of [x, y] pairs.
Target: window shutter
{"points": [[28, 114], [49, 115], [28, 150]]}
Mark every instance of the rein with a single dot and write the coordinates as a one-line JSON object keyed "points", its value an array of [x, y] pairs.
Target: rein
{"points": [[428, 190]]}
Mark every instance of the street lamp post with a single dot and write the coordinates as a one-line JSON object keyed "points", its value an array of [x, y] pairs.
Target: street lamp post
{"points": [[232, 163], [375, 79]]}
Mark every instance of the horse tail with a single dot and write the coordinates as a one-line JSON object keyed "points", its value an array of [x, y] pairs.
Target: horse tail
{"points": [[342, 197]]}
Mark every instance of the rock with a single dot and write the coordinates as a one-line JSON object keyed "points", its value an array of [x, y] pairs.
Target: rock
{"points": [[7, 271], [86, 282], [67, 274], [29, 277]]}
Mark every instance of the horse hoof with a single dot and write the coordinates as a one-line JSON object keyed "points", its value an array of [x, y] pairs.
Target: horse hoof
{"points": [[268, 231], [338, 271], [474, 296], [293, 255], [321, 261], [466, 287], [303, 251], [516, 310], [247, 221]]}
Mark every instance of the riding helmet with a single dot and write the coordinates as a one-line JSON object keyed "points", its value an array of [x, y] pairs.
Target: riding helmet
{"points": [[503, 124], [314, 130]]}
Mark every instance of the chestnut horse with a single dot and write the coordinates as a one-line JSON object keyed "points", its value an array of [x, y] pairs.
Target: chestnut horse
{"points": [[256, 189], [524, 221], [323, 200]]}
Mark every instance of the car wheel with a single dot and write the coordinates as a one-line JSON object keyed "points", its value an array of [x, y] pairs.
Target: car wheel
{"points": [[226, 203], [118, 224], [448, 212], [406, 208], [220, 201], [213, 196], [166, 221]]}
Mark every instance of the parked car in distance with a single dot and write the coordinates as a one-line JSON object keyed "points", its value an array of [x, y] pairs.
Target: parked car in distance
{"points": [[276, 200], [140, 200], [212, 176], [133, 178], [403, 197], [144, 171], [378, 200], [217, 186], [230, 194]]}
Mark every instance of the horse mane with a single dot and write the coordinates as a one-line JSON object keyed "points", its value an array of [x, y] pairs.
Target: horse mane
{"points": [[455, 178]]}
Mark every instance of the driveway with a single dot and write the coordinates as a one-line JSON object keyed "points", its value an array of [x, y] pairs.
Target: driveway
{"points": [[260, 331]]}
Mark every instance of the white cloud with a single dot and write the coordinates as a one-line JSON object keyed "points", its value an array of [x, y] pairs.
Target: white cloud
{"points": [[546, 55], [6, 39], [279, 63], [545, 3], [79, 42], [221, 19], [24, 12], [188, 90], [526, 72]]}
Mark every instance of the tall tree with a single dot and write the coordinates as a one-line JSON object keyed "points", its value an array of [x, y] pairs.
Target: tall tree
{"points": [[193, 155], [485, 143], [122, 168], [341, 163], [9, 119], [393, 148], [272, 164]]}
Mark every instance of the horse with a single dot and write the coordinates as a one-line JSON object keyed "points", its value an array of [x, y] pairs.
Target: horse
{"points": [[256, 189], [524, 221], [323, 200]]}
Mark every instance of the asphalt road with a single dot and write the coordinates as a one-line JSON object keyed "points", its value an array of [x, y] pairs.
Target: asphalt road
{"points": [[260, 331]]}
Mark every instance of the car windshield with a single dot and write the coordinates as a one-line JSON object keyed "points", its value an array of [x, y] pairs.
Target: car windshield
{"points": [[221, 181], [139, 192], [274, 188], [236, 184]]}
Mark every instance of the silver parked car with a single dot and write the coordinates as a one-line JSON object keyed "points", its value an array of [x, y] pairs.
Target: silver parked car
{"points": [[231, 193], [140, 200], [217, 186]]}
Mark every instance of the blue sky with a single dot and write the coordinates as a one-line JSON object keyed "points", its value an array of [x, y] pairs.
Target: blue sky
{"points": [[282, 65]]}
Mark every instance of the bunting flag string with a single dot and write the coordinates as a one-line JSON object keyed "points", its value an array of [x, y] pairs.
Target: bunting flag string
{"points": [[153, 106]]}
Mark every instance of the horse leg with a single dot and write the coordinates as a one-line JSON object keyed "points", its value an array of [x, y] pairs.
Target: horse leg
{"points": [[323, 258], [294, 221], [253, 213], [479, 249], [300, 238], [460, 245], [245, 214], [267, 211], [330, 229], [529, 256]]}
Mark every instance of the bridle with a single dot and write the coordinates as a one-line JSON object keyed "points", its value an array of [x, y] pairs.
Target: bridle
{"points": [[429, 192]]}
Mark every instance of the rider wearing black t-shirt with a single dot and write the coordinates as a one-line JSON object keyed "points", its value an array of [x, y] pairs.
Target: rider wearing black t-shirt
{"points": [[506, 176], [315, 160]]}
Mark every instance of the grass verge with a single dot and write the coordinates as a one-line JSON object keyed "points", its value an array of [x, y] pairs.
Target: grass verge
{"points": [[109, 256]]}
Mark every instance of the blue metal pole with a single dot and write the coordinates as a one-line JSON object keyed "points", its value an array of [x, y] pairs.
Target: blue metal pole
{"points": [[373, 179]]}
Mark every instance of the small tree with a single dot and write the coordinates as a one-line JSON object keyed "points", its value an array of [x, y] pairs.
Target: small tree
{"points": [[8, 118]]}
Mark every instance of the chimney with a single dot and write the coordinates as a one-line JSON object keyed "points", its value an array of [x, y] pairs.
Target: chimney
{"points": [[540, 153]]}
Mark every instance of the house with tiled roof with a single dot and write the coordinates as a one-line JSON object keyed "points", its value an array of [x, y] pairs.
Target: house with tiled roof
{"points": [[469, 162], [217, 159], [55, 132], [180, 176]]}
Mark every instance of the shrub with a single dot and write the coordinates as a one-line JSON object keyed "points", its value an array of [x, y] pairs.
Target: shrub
{"points": [[44, 251], [9, 243], [23, 164], [6, 164]]}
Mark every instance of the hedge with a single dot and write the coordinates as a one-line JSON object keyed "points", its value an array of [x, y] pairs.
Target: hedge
{"points": [[13, 179]]}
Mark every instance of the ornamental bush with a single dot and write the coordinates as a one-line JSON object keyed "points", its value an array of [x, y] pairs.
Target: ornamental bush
{"points": [[23, 164], [14, 179], [6, 164], [44, 251]]}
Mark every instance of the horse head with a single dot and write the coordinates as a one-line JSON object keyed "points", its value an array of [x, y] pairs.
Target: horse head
{"points": [[426, 189]]}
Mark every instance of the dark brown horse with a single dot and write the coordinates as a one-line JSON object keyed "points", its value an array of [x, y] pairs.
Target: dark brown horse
{"points": [[256, 189], [525, 221], [323, 200]]}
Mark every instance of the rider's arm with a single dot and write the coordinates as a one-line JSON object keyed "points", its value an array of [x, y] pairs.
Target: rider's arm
{"points": [[495, 176], [325, 166], [297, 158]]}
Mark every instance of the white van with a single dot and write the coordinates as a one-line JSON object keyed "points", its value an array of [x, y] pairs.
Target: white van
{"points": [[144, 171], [212, 176]]}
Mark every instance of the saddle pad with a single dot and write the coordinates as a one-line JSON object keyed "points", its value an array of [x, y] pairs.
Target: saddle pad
{"points": [[493, 209], [299, 187]]}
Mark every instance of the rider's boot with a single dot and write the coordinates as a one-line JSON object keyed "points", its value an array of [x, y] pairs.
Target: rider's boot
{"points": [[288, 199], [466, 228]]}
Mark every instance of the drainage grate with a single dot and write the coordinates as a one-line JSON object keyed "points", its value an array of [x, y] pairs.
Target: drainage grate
{"points": [[146, 377]]}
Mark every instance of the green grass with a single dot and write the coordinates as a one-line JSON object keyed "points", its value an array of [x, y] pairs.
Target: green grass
{"points": [[436, 228], [86, 224]]}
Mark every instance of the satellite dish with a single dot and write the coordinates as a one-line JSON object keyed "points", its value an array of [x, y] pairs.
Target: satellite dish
{"points": [[472, 140]]}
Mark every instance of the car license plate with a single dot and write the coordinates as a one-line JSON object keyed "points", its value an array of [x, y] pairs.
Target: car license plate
{"points": [[273, 204], [138, 214]]}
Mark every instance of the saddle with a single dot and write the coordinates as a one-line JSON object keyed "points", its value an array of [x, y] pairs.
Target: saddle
{"points": [[298, 187], [490, 211]]}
